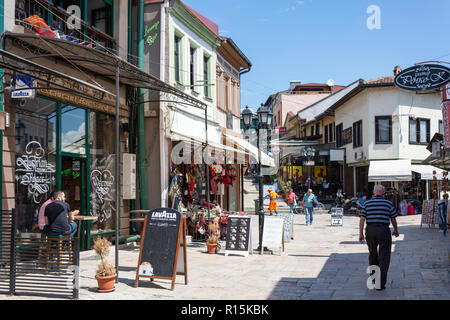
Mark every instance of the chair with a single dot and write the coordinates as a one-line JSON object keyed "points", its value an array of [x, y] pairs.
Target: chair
{"points": [[59, 246]]}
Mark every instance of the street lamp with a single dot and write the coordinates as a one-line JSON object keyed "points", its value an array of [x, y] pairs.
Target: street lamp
{"points": [[309, 153], [265, 117]]}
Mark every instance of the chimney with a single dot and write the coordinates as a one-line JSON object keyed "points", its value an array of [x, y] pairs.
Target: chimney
{"points": [[293, 84], [397, 70]]}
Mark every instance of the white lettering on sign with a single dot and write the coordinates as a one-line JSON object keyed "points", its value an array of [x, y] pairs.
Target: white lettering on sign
{"points": [[102, 184], [164, 214], [35, 172]]}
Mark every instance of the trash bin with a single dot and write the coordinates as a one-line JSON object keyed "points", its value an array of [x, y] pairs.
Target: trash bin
{"points": [[256, 206]]}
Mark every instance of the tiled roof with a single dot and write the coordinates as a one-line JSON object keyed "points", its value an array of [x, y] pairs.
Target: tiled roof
{"points": [[380, 80], [208, 23]]}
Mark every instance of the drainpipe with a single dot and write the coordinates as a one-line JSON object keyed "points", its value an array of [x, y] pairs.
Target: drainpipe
{"points": [[140, 115]]}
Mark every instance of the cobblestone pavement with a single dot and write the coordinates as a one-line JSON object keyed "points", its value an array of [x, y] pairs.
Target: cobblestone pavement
{"points": [[322, 262]]}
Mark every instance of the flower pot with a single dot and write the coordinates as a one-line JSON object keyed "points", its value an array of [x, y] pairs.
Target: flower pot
{"points": [[106, 284], [212, 247]]}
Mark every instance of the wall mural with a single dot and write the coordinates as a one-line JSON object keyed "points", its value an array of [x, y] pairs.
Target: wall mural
{"points": [[102, 188], [33, 171]]}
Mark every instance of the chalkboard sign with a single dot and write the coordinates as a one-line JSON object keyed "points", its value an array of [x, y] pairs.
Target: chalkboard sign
{"points": [[238, 236], [273, 233], [337, 216], [164, 232], [288, 220]]}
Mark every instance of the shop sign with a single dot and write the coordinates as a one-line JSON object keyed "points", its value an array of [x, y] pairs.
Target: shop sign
{"points": [[23, 86], [347, 136], [288, 219], [446, 92], [337, 216], [337, 154], [423, 77], [161, 255], [33, 171], [280, 130], [446, 122], [309, 163], [239, 235], [273, 233]]}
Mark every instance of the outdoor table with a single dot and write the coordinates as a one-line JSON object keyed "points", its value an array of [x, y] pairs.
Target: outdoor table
{"points": [[80, 220]]}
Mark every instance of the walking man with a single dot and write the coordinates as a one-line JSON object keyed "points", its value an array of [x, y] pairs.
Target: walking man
{"points": [[307, 202], [378, 213]]}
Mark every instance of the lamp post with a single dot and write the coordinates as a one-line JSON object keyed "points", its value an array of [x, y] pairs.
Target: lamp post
{"points": [[309, 153], [265, 117]]}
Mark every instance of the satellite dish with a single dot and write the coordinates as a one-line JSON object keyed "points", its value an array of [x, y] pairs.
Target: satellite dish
{"points": [[330, 82]]}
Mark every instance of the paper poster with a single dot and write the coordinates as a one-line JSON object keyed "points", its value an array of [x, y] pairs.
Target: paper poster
{"points": [[319, 173]]}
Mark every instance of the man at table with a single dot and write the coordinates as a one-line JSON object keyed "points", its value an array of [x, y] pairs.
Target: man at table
{"points": [[59, 217]]}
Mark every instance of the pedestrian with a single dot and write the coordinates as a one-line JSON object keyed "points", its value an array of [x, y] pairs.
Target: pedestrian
{"points": [[59, 217], [41, 217], [291, 200], [442, 206], [360, 203], [273, 201], [307, 202], [378, 213]]}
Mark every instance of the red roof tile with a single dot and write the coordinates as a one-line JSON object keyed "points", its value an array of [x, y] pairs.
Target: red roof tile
{"points": [[381, 80], [208, 23]]}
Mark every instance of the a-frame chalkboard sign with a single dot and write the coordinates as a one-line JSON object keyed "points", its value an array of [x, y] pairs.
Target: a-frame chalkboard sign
{"points": [[163, 240]]}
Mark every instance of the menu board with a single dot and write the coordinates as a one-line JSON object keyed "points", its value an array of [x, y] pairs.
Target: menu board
{"points": [[337, 216], [288, 220], [427, 212], [273, 232], [162, 236], [238, 236]]}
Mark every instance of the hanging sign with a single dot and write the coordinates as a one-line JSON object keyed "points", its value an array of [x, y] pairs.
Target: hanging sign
{"points": [[239, 236], [347, 136], [446, 122], [163, 236], [337, 216], [273, 233], [24, 86], [423, 77]]}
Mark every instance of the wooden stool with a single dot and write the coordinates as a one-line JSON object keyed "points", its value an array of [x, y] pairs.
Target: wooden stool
{"points": [[55, 246]]}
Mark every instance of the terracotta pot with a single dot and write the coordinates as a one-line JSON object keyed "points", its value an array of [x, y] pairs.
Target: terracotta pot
{"points": [[211, 247], [106, 284]]}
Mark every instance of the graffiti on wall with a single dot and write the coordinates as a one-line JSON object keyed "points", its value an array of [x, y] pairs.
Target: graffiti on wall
{"points": [[34, 171]]}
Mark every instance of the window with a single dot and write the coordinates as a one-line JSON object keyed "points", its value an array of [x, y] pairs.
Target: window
{"points": [[192, 68], [357, 134], [441, 127], [177, 59], [338, 135], [206, 75], [331, 131], [383, 129], [326, 133], [317, 128], [312, 131], [419, 131], [226, 93]]}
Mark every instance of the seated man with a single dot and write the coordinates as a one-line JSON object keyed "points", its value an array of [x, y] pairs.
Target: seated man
{"points": [[59, 218]]}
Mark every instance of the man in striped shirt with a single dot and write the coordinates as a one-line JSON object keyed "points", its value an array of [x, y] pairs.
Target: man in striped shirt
{"points": [[378, 213]]}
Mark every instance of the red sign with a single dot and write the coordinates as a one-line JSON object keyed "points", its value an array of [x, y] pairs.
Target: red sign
{"points": [[446, 92], [446, 121], [281, 129]]}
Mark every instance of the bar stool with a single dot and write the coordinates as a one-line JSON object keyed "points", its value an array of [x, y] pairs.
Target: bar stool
{"points": [[55, 246]]}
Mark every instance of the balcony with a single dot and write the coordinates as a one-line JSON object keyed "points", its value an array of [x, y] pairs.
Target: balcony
{"points": [[56, 19]]}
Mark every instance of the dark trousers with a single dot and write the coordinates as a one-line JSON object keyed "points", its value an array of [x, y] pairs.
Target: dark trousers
{"points": [[379, 241]]}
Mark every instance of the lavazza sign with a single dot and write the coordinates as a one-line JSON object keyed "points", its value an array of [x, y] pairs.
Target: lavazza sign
{"points": [[423, 77]]}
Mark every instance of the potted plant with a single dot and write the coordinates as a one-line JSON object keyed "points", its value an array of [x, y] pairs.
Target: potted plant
{"points": [[106, 273], [213, 239]]}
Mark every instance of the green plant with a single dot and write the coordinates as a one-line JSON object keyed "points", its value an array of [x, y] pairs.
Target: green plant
{"points": [[101, 247]]}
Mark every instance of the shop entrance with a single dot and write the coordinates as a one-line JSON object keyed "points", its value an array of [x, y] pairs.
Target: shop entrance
{"points": [[73, 182]]}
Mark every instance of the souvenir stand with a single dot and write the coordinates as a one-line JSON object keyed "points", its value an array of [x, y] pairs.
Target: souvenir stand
{"points": [[188, 195]]}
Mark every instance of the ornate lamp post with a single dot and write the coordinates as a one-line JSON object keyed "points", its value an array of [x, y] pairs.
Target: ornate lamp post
{"points": [[265, 117]]}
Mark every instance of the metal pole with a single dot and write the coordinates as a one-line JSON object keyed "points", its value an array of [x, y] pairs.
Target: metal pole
{"points": [[206, 164], [117, 171], [261, 195]]}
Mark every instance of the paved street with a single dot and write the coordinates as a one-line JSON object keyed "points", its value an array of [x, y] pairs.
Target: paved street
{"points": [[322, 262]]}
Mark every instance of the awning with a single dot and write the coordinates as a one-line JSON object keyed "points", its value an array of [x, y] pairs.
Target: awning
{"points": [[426, 171], [266, 160], [390, 170]]}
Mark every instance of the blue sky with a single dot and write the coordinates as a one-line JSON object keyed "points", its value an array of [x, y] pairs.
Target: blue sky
{"points": [[317, 40]]}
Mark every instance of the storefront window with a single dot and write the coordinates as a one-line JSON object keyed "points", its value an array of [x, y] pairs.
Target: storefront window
{"points": [[35, 167], [73, 135], [102, 172]]}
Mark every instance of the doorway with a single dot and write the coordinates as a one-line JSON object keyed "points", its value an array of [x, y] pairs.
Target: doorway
{"points": [[73, 182]]}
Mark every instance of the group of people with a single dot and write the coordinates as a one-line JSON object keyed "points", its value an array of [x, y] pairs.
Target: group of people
{"points": [[308, 202], [55, 216]]}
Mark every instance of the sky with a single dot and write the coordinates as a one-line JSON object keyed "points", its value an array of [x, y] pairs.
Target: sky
{"points": [[318, 40]]}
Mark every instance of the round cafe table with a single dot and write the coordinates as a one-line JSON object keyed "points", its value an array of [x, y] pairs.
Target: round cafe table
{"points": [[83, 219]]}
